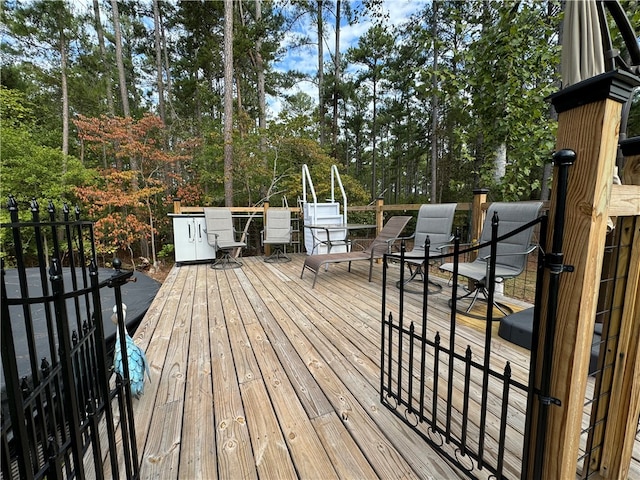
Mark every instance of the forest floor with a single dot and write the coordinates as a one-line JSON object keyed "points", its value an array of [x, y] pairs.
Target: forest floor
{"points": [[160, 273]]}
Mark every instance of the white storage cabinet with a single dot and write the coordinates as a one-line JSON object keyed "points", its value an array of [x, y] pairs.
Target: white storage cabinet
{"points": [[190, 239]]}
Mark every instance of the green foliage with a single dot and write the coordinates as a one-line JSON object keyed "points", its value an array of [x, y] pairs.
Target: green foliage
{"points": [[267, 166], [30, 170], [509, 93], [14, 110], [166, 251]]}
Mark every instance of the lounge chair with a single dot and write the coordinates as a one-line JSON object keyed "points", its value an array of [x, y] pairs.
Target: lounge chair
{"points": [[277, 232], [435, 222], [222, 236], [380, 245], [511, 257]]}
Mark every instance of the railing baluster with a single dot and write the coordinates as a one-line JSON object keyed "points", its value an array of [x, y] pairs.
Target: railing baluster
{"points": [[503, 419], [70, 396], [103, 374], [436, 378], [465, 408], [486, 365], [410, 373], [383, 320], [452, 334], [400, 325], [51, 413], [53, 457], [390, 355], [94, 434]]}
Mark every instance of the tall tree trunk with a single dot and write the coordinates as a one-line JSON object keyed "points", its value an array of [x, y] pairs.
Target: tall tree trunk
{"points": [[158, 48], [239, 84], [336, 84], [500, 163], [262, 115], [119, 60], [228, 103], [262, 102], [434, 107], [320, 70], [373, 134], [133, 162], [167, 70], [65, 99], [103, 56]]}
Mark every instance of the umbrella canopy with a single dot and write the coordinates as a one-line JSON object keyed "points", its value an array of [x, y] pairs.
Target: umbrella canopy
{"points": [[582, 52]]}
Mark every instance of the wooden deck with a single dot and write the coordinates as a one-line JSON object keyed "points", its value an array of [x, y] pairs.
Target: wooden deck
{"points": [[256, 375]]}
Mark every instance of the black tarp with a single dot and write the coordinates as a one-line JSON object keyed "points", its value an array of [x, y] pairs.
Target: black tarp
{"points": [[136, 295]]}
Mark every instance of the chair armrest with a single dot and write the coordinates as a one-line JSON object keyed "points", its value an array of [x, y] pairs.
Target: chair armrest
{"points": [[407, 238], [449, 245], [390, 242], [526, 252], [357, 244]]}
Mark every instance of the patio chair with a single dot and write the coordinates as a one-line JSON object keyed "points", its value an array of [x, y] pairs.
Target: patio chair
{"points": [[221, 235], [277, 232], [435, 222], [379, 246], [511, 253]]}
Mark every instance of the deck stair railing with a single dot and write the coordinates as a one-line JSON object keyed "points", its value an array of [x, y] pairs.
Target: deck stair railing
{"points": [[465, 403], [62, 415], [329, 212]]}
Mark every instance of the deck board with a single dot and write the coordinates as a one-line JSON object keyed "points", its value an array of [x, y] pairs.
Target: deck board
{"points": [[257, 375], [235, 457]]}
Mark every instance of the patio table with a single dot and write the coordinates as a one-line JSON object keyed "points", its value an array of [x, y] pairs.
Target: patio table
{"points": [[340, 233]]}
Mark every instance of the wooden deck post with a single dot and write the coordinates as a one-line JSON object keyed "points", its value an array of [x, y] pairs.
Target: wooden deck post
{"points": [[477, 212], [477, 220], [177, 205], [379, 214], [267, 248], [624, 404], [631, 171], [588, 123]]}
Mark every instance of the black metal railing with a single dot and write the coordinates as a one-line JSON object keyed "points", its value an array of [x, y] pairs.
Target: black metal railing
{"points": [[58, 409], [463, 402]]}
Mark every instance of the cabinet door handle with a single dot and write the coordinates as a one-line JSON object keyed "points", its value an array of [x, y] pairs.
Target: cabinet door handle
{"points": [[200, 231], [189, 231]]}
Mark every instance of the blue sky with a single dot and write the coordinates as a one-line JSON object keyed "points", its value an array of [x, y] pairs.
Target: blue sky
{"points": [[306, 60]]}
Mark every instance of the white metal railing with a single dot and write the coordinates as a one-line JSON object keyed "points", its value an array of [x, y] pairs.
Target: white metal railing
{"points": [[306, 177], [336, 175]]}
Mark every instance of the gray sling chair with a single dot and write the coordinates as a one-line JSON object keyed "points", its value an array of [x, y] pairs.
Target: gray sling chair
{"points": [[435, 222], [277, 232], [512, 253], [380, 245], [221, 235]]}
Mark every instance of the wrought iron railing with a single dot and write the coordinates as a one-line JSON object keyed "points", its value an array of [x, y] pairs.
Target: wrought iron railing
{"points": [[59, 417], [461, 401]]}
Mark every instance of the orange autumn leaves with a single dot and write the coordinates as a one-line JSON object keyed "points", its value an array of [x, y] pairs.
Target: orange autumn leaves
{"points": [[134, 185]]}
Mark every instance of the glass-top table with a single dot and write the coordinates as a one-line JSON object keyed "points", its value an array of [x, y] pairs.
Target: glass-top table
{"points": [[334, 234]]}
